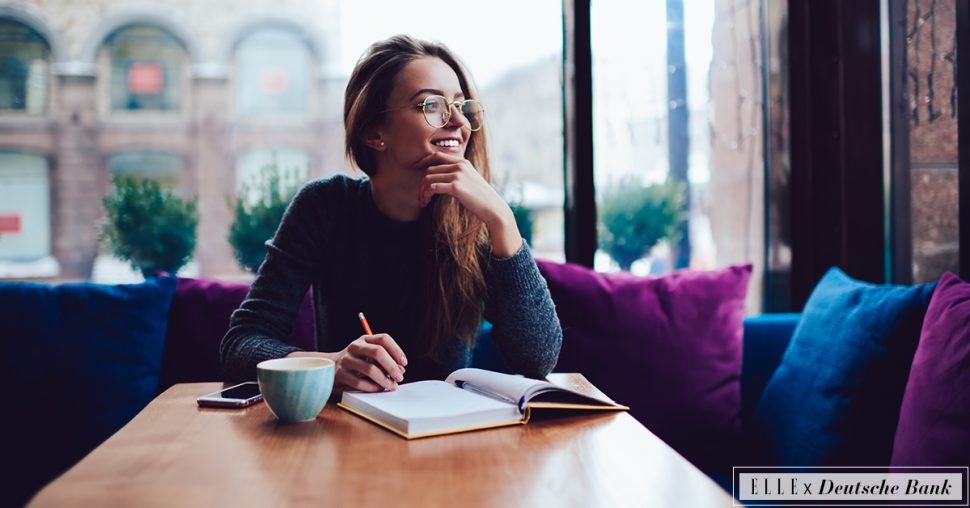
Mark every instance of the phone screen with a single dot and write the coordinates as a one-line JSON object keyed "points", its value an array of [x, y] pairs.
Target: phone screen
{"points": [[244, 391]]}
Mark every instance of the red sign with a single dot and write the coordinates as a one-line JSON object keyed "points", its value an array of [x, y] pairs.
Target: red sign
{"points": [[10, 223], [145, 78], [273, 81]]}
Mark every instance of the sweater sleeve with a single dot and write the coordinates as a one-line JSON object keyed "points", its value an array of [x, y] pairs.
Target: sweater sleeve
{"points": [[524, 323], [269, 311]]}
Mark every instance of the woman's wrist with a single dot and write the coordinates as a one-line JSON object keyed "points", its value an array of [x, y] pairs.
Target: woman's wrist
{"points": [[505, 235]]}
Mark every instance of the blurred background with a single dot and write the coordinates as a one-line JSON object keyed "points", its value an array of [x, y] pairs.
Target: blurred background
{"points": [[691, 129]]}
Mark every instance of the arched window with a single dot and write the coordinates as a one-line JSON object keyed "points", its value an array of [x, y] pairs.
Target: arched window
{"points": [[24, 68], [146, 68], [272, 73], [163, 167], [25, 207]]}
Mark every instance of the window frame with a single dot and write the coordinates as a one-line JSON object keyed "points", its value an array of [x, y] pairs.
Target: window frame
{"points": [[838, 216], [579, 207], [963, 132]]}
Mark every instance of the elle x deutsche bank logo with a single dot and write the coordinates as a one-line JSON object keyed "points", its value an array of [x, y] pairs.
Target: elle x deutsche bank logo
{"points": [[852, 486]]}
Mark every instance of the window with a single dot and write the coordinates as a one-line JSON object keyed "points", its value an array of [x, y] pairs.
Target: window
{"points": [[519, 75], [162, 167], [291, 165], [276, 93], [778, 264], [931, 86], [677, 122], [146, 68], [273, 74], [25, 210], [24, 68]]}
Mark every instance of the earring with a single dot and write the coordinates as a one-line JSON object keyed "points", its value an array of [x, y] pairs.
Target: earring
{"points": [[382, 143]]}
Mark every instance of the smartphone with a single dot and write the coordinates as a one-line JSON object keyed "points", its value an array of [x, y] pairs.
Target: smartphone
{"points": [[241, 395]]}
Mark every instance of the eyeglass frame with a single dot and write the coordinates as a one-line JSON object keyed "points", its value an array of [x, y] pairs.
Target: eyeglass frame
{"points": [[450, 104]]}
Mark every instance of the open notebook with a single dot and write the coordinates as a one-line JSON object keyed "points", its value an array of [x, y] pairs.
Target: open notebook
{"points": [[469, 399]]}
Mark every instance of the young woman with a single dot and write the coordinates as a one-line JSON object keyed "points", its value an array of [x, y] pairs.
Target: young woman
{"points": [[425, 247]]}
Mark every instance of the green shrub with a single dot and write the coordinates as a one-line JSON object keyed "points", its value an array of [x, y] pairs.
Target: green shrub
{"points": [[513, 194], [151, 228], [633, 219], [523, 219], [258, 212]]}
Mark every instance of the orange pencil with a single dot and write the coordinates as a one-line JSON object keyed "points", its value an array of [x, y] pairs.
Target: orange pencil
{"points": [[363, 321]]}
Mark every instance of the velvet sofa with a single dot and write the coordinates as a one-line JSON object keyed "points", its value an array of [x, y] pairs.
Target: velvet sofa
{"points": [[702, 388], [866, 375], [765, 339]]}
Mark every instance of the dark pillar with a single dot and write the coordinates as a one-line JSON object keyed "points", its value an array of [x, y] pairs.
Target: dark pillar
{"points": [[580, 205]]}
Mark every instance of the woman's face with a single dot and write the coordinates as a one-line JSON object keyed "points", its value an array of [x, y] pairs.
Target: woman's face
{"points": [[407, 136]]}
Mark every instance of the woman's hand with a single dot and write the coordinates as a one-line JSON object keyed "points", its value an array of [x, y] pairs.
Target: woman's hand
{"points": [[456, 177], [372, 363]]}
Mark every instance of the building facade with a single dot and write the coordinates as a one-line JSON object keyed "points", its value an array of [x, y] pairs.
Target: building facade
{"points": [[198, 95]]}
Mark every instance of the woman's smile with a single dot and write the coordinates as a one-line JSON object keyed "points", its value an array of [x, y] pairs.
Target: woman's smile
{"points": [[452, 143]]}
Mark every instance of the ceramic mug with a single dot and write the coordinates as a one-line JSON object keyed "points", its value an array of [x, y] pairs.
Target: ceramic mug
{"points": [[296, 389]]}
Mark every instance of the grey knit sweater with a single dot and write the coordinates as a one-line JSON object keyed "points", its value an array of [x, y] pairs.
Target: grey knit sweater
{"points": [[357, 259]]}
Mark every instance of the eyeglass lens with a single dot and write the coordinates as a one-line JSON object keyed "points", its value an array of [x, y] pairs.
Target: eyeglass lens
{"points": [[437, 111]]}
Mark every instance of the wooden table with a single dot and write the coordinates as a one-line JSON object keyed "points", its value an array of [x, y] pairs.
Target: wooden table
{"points": [[176, 454]]}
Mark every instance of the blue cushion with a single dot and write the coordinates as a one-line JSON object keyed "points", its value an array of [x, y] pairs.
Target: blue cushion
{"points": [[80, 360], [766, 337], [835, 398]]}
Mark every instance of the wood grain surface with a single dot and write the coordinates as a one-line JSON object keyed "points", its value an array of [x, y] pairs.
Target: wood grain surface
{"points": [[174, 453]]}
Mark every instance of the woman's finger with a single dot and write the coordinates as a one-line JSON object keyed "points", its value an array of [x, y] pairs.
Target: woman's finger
{"points": [[376, 354], [390, 345], [350, 380], [450, 189], [370, 371], [435, 158], [445, 168], [424, 194], [441, 177]]}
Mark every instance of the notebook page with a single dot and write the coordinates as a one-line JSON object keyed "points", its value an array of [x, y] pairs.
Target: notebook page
{"points": [[511, 386], [427, 400]]}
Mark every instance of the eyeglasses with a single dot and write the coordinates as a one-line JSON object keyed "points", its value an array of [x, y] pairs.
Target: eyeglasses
{"points": [[437, 111]]}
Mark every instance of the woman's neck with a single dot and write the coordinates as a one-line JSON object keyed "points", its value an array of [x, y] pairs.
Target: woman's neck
{"points": [[396, 194]]}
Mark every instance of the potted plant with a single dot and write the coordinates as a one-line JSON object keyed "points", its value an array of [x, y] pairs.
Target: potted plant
{"points": [[151, 228], [258, 211], [634, 218]]}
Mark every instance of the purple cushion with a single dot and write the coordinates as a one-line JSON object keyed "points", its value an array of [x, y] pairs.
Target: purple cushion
{"points": [[934, 421], [198, 320], [668, 347]]}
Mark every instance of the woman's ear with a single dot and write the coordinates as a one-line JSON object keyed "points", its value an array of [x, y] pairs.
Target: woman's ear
{"points": [[374, 139]]}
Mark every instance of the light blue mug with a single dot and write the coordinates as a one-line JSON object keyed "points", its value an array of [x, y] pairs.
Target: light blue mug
{"points": [[296, 389]]}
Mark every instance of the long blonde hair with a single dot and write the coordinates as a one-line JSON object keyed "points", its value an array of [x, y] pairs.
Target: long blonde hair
{"points": [[458, 239]]}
